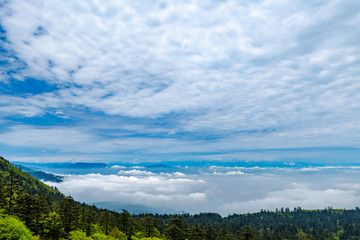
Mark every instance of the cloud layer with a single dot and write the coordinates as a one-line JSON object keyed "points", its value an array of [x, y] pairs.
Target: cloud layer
{"points": [[225, 191], [137, 187]]}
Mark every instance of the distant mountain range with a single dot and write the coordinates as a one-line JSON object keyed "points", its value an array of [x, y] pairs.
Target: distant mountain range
{"points": [[134, 208], [43, 176]]}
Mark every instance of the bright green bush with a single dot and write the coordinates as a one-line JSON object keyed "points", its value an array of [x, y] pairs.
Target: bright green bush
{"points": [[117, 234], [101, 236], [78, 235], [13, 229]]}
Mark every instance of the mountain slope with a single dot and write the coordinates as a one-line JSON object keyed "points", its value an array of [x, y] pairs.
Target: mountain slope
{"points": [[43, 176], [27, 182]]}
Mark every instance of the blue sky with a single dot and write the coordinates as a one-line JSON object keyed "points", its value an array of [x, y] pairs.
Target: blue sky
{"points": [[189, 80]]}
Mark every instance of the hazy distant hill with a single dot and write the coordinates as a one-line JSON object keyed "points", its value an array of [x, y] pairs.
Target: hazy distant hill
{"points": [[88, 165], [135, 208], [43, 176], [75, 165], [159, 166], [29, 183]]}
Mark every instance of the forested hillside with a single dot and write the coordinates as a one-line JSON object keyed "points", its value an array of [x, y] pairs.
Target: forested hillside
{"points": [[9, 175], [31, 210]]}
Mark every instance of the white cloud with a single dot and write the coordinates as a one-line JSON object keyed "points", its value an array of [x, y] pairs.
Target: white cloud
{"points": [[316, 169], [178, 174], [138, 167], [135, 173], [149, 56], [155, 191], [229, 173], [216, 193], [307, 197], [83, 140], [269, 74]]}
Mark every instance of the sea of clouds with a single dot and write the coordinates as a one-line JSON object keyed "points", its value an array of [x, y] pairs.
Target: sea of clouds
{"points": [[225, 190]]}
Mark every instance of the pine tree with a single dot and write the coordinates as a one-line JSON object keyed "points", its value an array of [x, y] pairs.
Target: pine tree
{"points": [[197, 233], [68, 214], [12, 188], [89, 220], [126, 223], [178, 229], [52, 227], [247, 233], [25, 209], [149, 225], [224, 234], [2, 195], [210, 233]]}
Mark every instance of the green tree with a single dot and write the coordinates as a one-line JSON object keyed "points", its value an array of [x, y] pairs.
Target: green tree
{"points": [[41, 212], [126, 224], [225, 234], [117, 234], [149, 226], [13, 229], [68, 214], [178, 229], [247, 233], [89, 219], [209, 232], [101, 236], [78, 235], [11, 190], [197, 233], [173, 232], [52, 227], [2, 194], [25, 209]]}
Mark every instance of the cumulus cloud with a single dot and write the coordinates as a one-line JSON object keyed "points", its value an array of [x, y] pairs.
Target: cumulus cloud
{"points": [[175, 174]]}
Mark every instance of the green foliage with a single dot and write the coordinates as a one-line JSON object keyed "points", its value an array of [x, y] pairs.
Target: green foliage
{"points": [[117, 234], [101, 236], [68, 214], [26, 182], [2, 195], [78, 235], [247, 233], [149, 226], [13, 229], [146, 238], [173, 232], [178, 229], [224, 234], [52, 228]]}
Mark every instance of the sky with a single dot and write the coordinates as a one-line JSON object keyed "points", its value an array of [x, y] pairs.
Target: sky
{"points": [[160, 81]]}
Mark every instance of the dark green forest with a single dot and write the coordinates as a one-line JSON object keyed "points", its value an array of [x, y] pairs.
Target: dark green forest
{"points": [[29, 209]]}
